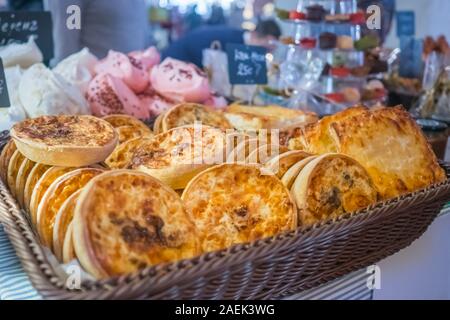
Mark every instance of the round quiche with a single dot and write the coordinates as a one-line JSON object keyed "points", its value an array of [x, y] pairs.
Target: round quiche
{"points": [[122, 154], [127, 220], [62, 221], [177, 155], [33, 177], [127, 133], [54, 197], [332, 185], [120, 120], [21, 179], [236, 203], [5, 157], [41, 187], [13, 168], [71, 141], [184, 114]]}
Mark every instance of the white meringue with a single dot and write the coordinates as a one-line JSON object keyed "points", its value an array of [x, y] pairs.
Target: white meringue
{"points": [[21, 54], [44, 92], [78, 69], [16, 110]]}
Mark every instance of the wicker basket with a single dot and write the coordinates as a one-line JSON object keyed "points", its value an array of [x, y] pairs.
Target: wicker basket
{"points": [[269, 268]]}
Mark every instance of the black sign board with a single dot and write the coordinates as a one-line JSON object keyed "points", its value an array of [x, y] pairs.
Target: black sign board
{"points": [[18, 26], [246, 64], [4, 97]]}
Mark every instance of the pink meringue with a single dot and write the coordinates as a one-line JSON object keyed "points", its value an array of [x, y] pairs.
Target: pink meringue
{"points": [[155, 104], [217, 102], [147, 58], [128, 70], [110, 95], [180, 81]]}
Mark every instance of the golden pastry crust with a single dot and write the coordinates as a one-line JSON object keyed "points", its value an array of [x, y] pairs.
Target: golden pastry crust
{"points": [[332, 185], [122, 154], [21, 179], [41, 187], [291, 174], [265, 152], [127, 220], [65, 140], [393, 149], [127, 133], [177, 155], [63, 219], [386, 141], [184, 114], [62, 188], [68, 248], [5, 157], [33, 177], [280, 164], [119, 120], [157, 126], [235, 203], [13, 168]]}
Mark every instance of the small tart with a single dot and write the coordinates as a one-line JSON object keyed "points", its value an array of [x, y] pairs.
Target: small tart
{"points": [[21, 179], [292, 173], [127, 220], [65, 140], [280, 164], [33, 177], [13, 168], [5, 157]]}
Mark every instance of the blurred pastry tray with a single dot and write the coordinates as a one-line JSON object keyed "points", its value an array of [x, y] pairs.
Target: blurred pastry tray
{"points": [[270, 268]]}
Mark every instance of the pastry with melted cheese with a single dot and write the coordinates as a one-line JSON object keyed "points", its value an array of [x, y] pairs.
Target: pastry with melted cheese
{"points": [[33, 177], [41, 187], [386, 141], [257, 117], [65, 140], [120, 120], [280, 164], [13, 168], [127, 220], [291, 174], [177, 155], [21, 179], [62, 188], [329, 186], [63, 219], [5, 157], [235, 203], [185, 114], [127, 133], [122, 154]]}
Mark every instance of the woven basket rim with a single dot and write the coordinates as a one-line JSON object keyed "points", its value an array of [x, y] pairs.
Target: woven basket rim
{"points": [[163, 275]]}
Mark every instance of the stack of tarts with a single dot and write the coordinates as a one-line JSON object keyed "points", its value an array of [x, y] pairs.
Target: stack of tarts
{"points": [[118, 197]]}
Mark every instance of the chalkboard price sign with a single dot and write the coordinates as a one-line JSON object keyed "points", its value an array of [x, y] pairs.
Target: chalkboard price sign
{"points": [[17, 27], [246, 64], [4, 97]]}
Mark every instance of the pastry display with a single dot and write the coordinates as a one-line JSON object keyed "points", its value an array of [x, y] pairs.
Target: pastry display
{"points": [[65, 140], [329, 186], [232, 203], [127, 220]]}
